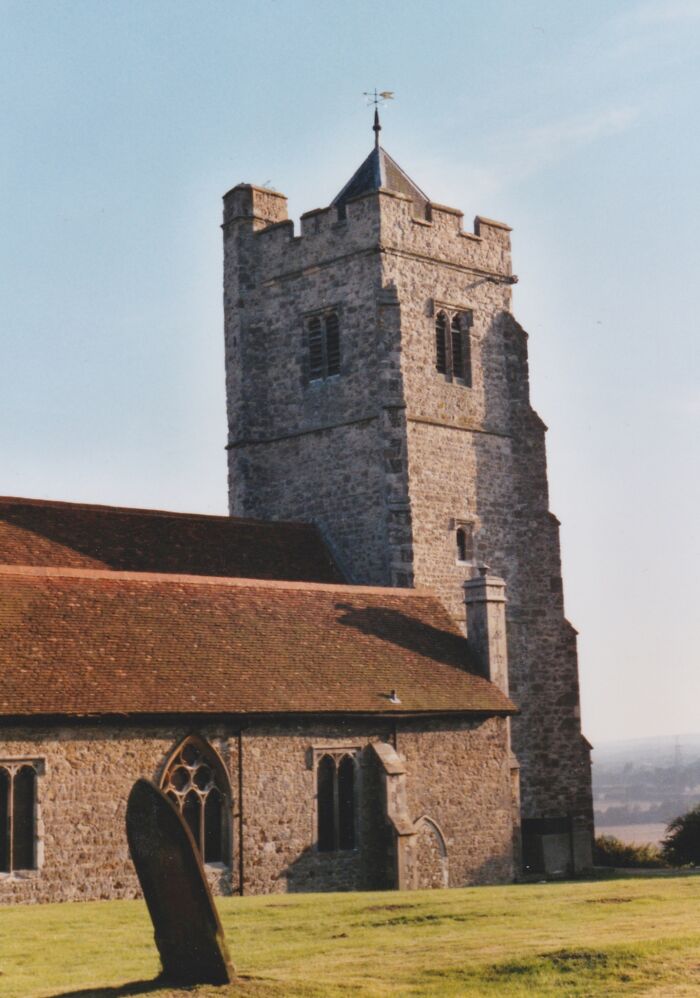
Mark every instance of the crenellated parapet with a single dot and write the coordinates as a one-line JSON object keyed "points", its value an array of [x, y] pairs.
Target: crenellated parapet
{"points": [[376, 221]]}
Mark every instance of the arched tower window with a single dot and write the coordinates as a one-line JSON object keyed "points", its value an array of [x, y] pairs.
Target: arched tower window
{"points": [[195, 779], [323, 332], [335, 800], [18, 816], [464, 536], [453, 346]]}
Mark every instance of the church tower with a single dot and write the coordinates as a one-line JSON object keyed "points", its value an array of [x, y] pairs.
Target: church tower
{"points": [[378, 386]]}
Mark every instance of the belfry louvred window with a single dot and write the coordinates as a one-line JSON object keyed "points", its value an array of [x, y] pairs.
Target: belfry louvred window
{"points": [[324, 346], [335, 781], [17, 816], [195, 779], [453, 346]]}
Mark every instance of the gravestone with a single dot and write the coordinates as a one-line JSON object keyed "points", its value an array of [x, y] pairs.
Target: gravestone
{"points": [[188, 932]]}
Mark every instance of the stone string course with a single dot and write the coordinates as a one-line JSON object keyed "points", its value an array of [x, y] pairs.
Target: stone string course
{"points": [[386, 457], [89, 771]]}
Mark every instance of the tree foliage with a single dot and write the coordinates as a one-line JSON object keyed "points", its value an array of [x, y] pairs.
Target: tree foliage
{"points": [[610, 851], [681, 846]]}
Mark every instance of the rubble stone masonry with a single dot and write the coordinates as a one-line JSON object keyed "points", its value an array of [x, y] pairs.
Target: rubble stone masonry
{"points": [[389, 457], [87, 771]]}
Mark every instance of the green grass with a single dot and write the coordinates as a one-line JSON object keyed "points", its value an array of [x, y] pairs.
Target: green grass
{"points": [[627, 936]]}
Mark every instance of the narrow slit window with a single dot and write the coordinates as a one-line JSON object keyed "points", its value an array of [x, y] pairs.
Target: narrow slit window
{"points": [[326, 804], [346, 803], [465, 542]]}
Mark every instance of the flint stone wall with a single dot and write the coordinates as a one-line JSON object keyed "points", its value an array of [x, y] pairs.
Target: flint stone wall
{"points": [[389, 491], [457, 773]]}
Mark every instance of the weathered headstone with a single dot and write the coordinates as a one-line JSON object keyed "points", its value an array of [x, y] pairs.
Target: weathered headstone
{"points": [[188, 932]]}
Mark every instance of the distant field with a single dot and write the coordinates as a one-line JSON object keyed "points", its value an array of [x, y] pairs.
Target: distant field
{"points": [[637, 835], [627, 936]]}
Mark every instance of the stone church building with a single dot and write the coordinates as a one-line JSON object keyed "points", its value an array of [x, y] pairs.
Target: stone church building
{"points": [[361, 679]]}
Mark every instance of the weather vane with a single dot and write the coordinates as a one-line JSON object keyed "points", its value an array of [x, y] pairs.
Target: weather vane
{"points": [[377, 98]]}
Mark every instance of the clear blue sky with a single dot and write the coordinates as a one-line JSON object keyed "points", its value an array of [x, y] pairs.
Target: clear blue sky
{"points": [[124, 122]]}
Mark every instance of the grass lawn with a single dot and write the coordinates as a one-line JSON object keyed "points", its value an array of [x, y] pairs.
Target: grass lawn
{"points": [[627, 936]]}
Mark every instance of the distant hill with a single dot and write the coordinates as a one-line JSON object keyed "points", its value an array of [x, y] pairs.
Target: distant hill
{"points": [[645, 780]]}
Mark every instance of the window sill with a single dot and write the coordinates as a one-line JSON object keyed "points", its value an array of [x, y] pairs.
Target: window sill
{"points": [[457, 382], [315, 382]]}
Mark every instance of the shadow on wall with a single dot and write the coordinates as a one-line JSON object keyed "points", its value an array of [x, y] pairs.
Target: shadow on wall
{"points": [[410, 633]]}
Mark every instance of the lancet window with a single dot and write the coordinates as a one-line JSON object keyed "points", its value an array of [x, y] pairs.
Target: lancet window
{"points": [[453, 346], [18, 807], [336, 792], [195, 779], [323, 333], [465, 542]]}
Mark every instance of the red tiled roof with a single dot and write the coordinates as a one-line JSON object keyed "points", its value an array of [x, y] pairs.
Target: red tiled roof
{"points": [[78, 642], [43, 532]]}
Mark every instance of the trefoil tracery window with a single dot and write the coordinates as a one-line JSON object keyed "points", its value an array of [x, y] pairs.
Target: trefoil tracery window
{"points": [[453, 345], [18, 812], [196, 781]]}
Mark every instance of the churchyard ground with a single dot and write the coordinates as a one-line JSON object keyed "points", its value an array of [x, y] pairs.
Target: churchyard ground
{"points": [[621, 936]]}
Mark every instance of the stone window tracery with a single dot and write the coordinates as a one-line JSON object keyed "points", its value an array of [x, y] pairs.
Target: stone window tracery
{"points": [[336, 801], [18, 815], [453, 345], [195, 779], [323, 333]]}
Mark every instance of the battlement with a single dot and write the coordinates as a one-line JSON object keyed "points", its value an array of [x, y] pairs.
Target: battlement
{"points": [[381, 219], [441, 236], [262, 206]]}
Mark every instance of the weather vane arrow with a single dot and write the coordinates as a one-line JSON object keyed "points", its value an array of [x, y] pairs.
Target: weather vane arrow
{"points": [[377, 98]]}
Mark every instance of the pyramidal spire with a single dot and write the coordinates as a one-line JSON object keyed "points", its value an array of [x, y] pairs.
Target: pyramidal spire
{"points": [[380, 171]]}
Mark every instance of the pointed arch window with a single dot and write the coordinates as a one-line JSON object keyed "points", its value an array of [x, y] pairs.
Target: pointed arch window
{"points": [[195, 779], [18, 815], [336, 801], [323, 339], [453, 346]]}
